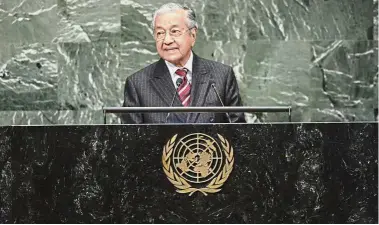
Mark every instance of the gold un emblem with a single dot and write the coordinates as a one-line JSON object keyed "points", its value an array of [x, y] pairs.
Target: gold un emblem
{"points": [[197, 163]]}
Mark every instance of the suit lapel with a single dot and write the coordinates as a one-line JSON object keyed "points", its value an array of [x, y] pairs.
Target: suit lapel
{"points": [[164, 87], [162, 83], [200, 86]]}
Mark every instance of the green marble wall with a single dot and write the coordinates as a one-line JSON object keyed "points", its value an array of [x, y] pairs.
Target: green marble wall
{"points": [[61, 61]]}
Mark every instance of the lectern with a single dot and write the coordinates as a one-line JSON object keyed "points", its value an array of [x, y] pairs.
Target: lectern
{"points": [[190, 173]]}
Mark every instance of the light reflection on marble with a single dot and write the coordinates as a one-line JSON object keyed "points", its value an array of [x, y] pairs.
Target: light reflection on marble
{"points": [[88, 75], [28, 77], [27, 21], [88, 21], [8, 118]]}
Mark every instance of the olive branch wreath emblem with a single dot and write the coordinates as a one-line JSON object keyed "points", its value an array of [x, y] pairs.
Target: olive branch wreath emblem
{"points": [[182, 185]]}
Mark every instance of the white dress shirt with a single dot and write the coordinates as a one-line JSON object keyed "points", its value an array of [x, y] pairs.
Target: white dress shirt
{"points": [[172, 69]]}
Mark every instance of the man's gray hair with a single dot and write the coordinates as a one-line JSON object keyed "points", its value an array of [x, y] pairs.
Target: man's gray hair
{"points": [[172, 7]]}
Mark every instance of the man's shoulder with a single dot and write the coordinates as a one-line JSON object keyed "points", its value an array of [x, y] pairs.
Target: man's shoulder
{"points": [[220, 72], [144, 73]]}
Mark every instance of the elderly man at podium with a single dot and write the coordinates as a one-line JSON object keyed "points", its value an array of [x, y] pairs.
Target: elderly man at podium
{"points": [[180, 77]]}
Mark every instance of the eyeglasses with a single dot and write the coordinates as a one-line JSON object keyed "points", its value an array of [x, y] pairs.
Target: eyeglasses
{"points": [[174, 32]]}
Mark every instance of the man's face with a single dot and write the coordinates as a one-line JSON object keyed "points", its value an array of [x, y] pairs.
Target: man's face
{"points": [[176, 50]]}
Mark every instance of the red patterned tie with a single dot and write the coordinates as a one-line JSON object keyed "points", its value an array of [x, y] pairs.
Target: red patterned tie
{"points": [[185, 88]]}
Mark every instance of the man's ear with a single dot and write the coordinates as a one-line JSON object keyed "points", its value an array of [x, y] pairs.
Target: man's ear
{"points": [[194, 32], [194, 35]]}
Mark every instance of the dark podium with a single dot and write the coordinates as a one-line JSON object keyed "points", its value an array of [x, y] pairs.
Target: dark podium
{"points": [[239, 173]]}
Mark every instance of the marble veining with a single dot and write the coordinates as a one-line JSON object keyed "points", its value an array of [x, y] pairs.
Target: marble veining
{"points": [[283, 173], [320, 57]]}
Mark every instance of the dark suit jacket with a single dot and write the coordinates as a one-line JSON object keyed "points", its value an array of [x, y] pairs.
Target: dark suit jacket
{"points": [[153, 87]]}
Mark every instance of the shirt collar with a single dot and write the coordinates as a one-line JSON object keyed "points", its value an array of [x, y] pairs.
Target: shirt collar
{"points": [[172, 68]]}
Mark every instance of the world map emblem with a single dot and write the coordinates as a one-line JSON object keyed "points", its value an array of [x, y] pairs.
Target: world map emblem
{"points": [[197, 163]]}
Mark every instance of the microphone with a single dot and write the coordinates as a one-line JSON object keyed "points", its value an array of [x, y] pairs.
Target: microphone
{"points": [[219, 98], [178, 82]]}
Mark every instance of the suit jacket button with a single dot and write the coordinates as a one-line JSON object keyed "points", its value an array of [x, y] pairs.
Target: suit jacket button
{"points": [[211, 119]]}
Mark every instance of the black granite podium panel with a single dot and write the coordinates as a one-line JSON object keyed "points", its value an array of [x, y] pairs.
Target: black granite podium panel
{"points": [[283, 173]]}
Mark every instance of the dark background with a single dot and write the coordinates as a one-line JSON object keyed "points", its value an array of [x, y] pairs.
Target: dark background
{"points": [[283, 173]]}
